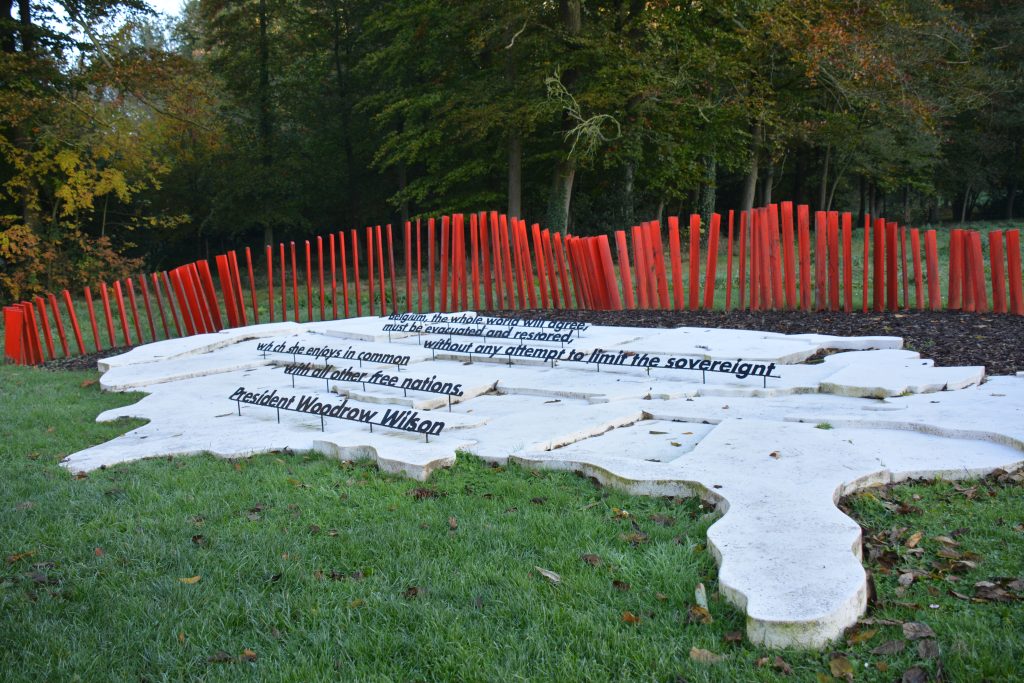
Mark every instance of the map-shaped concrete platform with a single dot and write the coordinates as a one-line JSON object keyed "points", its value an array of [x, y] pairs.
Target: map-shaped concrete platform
{"points": [[771, 428]]}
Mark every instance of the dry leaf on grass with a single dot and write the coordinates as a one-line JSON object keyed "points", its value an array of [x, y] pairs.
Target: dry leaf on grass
{"points": [[704, 656], [549, 575], [191, 579], [591, 559], [630, 618], [915, 630]]}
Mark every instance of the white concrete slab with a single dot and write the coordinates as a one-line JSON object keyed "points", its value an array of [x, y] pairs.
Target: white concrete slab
{"points": [[773, 453]]}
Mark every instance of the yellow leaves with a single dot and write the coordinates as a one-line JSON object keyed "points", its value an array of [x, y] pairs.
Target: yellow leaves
{"points": [[191, 580], [630, 618], [702, 656]]}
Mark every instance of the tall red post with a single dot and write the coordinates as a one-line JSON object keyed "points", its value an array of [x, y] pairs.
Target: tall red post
{"points": [[847, 262], [97, 340], [105, 296], [712, 264], [355, 274], [320, 269], [931, 248], [73, 317], [270, 280], [694, 261], [1014, 272], [59, 324], [995, 252], [953, 295], [915, 248]]}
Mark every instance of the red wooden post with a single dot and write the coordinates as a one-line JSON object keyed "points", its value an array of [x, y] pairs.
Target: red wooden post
{"points": [[295, 283], [865, 281], [953, 300], [640, 266], [978, 261], [563, 270], [820, 260], [192, 271], [659, 264], [252, 286], [787, 256], [344, 271], [776, 257], [768, 258], [676, 261], [510, 265], [712, 264], [97, 340], [119, 298], [408, 267], [226, 286], [608, 268], [524, 242], [74, 321], [205, 281], [270, 281], [966, 271], [650, 265], [833, 260], [144, 288], [903, 264], [309, 283], [445, 228], [847, 262], [499, 267], [193, 293], [803, 217], [334, 277], [430, 262], [915, 247], [391, 270], [14, 328], [578, 283], [355, 274], [878, 288], [545, 238], [538, 249], [59, 324], [171, 293], [627, 281], [105, 296], [932, 259], [32, 335], [1014, 268], [485, 253], [742, 266], [694, 261], [419, 269], [891, 281], [995, 251], [284, 283], [135, 311], [463, 279], [380, 270], [320, 269], [755, 260]]}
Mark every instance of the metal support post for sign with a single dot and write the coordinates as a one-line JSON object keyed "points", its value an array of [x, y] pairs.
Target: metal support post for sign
{"points": [[449, 403], [278, 414], [322, 423], [703, 377], [371, 427], [239, 402]]}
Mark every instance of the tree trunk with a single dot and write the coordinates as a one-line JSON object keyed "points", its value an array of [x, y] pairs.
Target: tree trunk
{"points": [[265, 125], [906, 204], [561, 195], [515, 174], [750, 182], [823, 185], [862, 209], [799, 172], [402, 183], [345, 106], [963, 206], [707, 190], [769, 179], [626, 215], [1011, 195]]}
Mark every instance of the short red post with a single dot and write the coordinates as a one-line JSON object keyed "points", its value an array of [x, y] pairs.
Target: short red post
{"points": [[430, 262], [391, 264], [419, 267], [1014, 272], [252, 287], [59, 324], [97, 339], [995, 252], [73, 317], [121, 315], [903, 266], [309, 283], [284, 282], [891, 277], [878, 288], [563, 271], [712, 263], [775, 249], [847, 262], [135, 311], [978, 261], [915, 248], [538, 249], [742, 266], [865, 281], [787, 255], [694, 261], [408, 267], [334, 277], [105, 296], [344, 271], [931, 249], [445, 229], [175, 312], [545, 237], [953, 295], [320, 269]]}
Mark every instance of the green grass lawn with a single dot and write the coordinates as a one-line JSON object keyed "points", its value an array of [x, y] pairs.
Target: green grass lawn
{"points": [[290, 566]]}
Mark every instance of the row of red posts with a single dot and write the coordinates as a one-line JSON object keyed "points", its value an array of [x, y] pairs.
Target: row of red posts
{"points": [[492, 261]]}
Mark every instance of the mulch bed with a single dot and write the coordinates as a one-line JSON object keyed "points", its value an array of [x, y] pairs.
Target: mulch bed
{"points": [[948, 338]]}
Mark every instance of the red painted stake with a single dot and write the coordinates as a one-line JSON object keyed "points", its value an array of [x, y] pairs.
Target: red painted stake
{"points": [[915, 248], [563, 271], [270, 281], [538, 249], [820, 260], [640, 266], [105, 295], [210, 295], [355, 274], [769, 257], [252, 287], [226, 286], [430, 261], [712, 263], [485, 252], [170, 303], [320, 271], [499, 268], [463, 279], [47, 335], [878, 289], [742, 266], [931, 248], [524, 245], [309, 283], [334, 277], [391, 266], [97, 340], [121, 315], [295, 284], [865, 281], [833, 260], [755, 260], [728, 260], [953, 301], [694, 261], [966, 271], [803, 216], [549, 256], [445, 228], [380, 269], [284, 283], [624, 275], [14, 331], [978, 261], [891, 272], [776, 257], [408, 267], [344, 271], [73, 317], [194, 294], [1014, 271], [144, 288], [787, 256], [59, 324], [848, 262], [608, 268], [419, 269], [32, 333], [676, 262], [903, 263], [135, 311], [995, 251]]}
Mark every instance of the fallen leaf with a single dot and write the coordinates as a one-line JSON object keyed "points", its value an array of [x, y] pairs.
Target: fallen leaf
{"points": [[780, 665], [663, 520], [630, 618], [915, 539], [24, 505], [248, 655], [421, 493], [16, 557], [928, 649], [591, 559], [914, 674], [549, 575], [620, 514], [734, 637], [675, 443], [840, 667], [774, 454], [98, 552], [698, 615], [946, 539], [199, 540], [620, 585], [359, 602], [410, 592], [81, 475], [453, 523], [635, 538], [181, 637], [890, 647], [704, 656], [700, 595], [88, 383], [191, 580], [661, 597], [882, 666], [859, 637], [915, 630]]}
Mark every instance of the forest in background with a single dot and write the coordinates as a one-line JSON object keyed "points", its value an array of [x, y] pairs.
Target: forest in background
{"points": [[128, 141]]}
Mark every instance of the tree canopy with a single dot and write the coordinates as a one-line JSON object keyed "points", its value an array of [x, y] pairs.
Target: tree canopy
{"points": [[126, 136]]}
